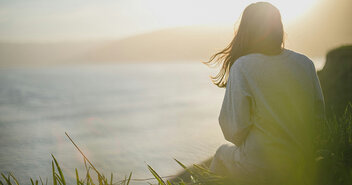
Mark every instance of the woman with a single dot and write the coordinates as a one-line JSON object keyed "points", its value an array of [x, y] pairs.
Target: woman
{"points": [[272, 101]]}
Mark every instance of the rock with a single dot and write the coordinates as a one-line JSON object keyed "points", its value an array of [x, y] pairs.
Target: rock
{"points": [[336, 80]]}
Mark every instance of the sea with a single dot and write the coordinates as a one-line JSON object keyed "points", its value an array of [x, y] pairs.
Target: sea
{"points": [[122, 116]]}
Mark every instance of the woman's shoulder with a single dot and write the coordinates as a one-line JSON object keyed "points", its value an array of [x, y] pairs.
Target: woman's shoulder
{"points": [[286, 54], [302, 59], [256, 61], [243, 62], [298, 55]]}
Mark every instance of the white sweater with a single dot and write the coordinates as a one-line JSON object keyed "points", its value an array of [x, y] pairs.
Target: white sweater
{"points": [[270, 106]]}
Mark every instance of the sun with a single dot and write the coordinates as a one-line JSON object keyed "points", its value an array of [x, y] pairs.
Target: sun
{"points": [[291, 10]]}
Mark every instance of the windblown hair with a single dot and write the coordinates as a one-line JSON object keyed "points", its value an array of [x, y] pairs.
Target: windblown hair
{"points": [[260, 31]]}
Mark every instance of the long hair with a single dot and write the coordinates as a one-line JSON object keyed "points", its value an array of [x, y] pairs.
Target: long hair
{"points": [[260, 31]]}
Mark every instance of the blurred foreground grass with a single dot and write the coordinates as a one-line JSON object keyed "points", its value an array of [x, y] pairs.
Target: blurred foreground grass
{"points": [[333, 161]]}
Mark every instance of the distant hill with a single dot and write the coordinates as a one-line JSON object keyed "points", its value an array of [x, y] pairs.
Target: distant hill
{"points": [[38, 54], [184, 43], [325, 27]]}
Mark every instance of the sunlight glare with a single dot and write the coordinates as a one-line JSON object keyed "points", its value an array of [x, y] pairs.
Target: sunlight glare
{"points": [[291, 10], [222, 12]]}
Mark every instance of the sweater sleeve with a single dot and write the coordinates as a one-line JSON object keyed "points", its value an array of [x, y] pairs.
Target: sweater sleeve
{"points": [[235, 114]]}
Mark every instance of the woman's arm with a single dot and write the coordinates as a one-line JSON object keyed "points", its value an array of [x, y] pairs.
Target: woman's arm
{"points": [[235, 114]]}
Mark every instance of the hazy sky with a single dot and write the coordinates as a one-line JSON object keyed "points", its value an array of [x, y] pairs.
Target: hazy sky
{"points": [[43, 20]]}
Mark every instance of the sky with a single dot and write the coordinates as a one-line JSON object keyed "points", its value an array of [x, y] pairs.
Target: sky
{"points": [[66, 20]]}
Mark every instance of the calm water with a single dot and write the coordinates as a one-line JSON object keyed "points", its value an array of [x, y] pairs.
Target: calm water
{"points": [[123, 117]]}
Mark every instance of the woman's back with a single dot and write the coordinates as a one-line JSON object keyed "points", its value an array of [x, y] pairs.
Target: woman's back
{"points": [[283, 96], [284, 89]]}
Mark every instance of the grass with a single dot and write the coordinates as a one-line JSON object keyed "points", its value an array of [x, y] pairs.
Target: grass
{"points": [[334, 152], [333, 161]]}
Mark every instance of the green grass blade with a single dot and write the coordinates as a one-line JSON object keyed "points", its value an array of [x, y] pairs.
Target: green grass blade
{"points": [[129, 179], [111, 176], [14, 178], [100, 181], [41, 180], [187, 169], [105, 180], [6, 179], [77, 177], [202, 169], [85, 163], [156, 175], [53, 171], [182, 165], [87, 176], [90, 178], [59, 179], [60, 171]]}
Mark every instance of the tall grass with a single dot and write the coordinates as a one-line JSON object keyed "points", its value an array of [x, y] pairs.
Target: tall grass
{"points": [[334, 154], [333, 160]]}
